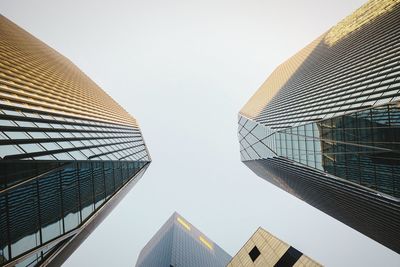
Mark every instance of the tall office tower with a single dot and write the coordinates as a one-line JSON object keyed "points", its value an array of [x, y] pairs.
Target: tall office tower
{"points": [[180, 244], [68, 152], [325, 125], [264, 249]]}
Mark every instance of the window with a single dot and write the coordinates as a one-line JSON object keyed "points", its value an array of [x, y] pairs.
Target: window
{"points": [[289, 258], [254, 253]]}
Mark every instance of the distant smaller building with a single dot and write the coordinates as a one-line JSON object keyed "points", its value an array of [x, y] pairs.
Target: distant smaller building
{"points": [[264, 249], [179, 244]]}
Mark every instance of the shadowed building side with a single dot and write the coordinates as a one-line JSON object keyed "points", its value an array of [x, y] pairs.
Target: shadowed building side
{"points": [[330, 133]]}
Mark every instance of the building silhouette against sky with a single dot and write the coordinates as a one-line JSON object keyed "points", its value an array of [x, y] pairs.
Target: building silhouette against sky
{"points": [[325, 125], [179, 243], [264, 249], [68, 152]]}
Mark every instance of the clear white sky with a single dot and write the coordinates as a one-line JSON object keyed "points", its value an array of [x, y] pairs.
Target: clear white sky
{"points": [[184, 69]]}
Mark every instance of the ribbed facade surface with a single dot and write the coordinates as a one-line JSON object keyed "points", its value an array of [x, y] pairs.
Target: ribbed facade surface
{"points": [[265, 250], [325, 126], [179, 244], [68, 152]]}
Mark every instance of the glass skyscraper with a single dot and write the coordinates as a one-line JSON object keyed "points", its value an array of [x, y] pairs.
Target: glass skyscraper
{"points": [[68, 152], [264, 249], [179, 244], [325, 125]]}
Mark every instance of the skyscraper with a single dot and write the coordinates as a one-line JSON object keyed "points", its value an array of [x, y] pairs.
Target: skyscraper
{"points": [[179, 243], [264, 249], [68, 152], [325, 125]]}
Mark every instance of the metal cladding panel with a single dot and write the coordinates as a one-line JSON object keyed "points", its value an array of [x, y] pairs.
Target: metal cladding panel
{"points": [[68, 152], [33, 75], [325, 125], [264, 249], [179, 243]]}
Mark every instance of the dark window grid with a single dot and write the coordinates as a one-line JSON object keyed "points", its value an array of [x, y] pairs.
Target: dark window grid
{"points": [[8, 188], [37, 154], [115, 151], [36, 119], [133, 154]]}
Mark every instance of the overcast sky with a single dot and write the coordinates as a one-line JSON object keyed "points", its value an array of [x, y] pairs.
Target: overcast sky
{"points": [[184, 69]]}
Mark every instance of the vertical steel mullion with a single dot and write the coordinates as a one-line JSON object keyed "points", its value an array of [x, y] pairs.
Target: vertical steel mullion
{"points": [[392, 168], [8, 226], [40, 216], [79, 191], [62, 202], [113, 175], [373, 144], [358, 136], [104, 180], [93, 188]]}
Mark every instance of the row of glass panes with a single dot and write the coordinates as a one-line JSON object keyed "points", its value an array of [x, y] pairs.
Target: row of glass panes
{"points": [[81, 152], [333, 109], [70, 128], [62, 119]]}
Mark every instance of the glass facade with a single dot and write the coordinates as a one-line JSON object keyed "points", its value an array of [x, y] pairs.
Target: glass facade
{"points": [[179, 243], [361, 147], [331, 123], [43, 210], [68, 152]]}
